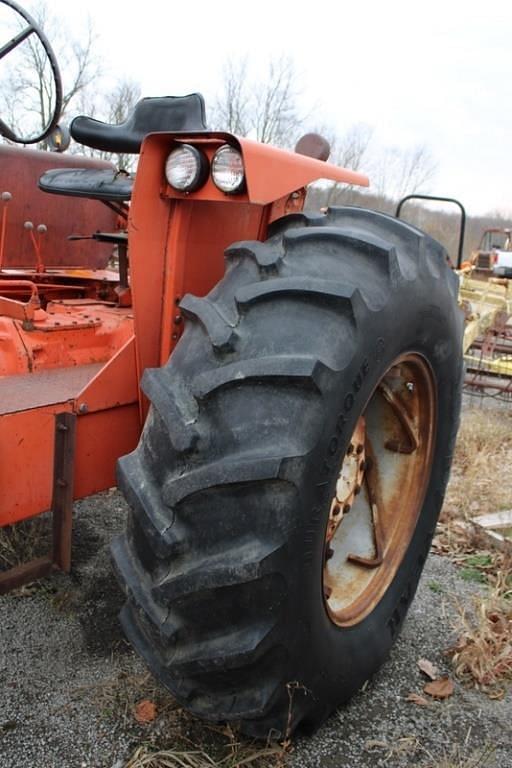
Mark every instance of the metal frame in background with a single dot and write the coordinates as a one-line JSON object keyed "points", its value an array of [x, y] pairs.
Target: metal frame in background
{"points": [[437, 199]]}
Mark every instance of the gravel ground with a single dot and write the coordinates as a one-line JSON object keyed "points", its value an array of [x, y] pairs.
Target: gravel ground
{"points": [[68, 679]]}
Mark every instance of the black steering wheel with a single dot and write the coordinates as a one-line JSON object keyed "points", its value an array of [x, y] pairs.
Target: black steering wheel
{"points": [[33, 28]]}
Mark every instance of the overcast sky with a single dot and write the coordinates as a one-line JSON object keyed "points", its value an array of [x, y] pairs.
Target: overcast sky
{"points": [[435, 73]]}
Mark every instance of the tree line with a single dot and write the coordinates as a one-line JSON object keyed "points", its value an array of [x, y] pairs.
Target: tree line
{"points": [[264, 104]]}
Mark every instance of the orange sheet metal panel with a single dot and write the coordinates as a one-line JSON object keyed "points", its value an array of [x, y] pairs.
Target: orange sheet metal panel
{"points": [[177, 245], [26, 455], [114, 384], [21, 170], [106, 400], [101, 438], [26, 462], [65, 335], [271, 172]]}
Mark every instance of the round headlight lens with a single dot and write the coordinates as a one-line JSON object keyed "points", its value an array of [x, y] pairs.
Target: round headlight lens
{"points": [[228, 170], [186, 168]]}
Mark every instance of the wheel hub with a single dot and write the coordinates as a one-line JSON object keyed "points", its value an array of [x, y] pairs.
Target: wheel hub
{"points": [[350, 479], [379, 491]]}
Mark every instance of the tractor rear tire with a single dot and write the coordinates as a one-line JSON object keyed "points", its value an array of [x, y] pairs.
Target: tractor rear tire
{"points": [[231, 487]]}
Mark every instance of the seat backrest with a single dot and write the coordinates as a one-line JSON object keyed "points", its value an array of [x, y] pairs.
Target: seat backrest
{"points": [[165, 113]]}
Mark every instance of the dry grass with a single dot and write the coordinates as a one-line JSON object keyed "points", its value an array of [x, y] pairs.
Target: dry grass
{"points": [[480, 481], [458, 758], [482, 655], [117, 696], [238, 756], [405, 747], [24, 541], [145, 757], [174, 738]]}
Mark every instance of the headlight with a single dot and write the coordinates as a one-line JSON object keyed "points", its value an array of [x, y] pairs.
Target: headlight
{"points": [[228, 170], [186, 168]]}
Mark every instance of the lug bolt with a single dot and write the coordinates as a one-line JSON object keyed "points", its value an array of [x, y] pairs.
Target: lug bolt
{"points": [[350, 449], [346, 509], [360, 448], [357, 490]]}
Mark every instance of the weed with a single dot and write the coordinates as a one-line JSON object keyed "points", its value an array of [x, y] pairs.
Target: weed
{"points": [[473, 574], [479, 561], [482, 655]]}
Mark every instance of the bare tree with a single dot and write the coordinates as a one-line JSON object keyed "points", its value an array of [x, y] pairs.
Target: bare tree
{"points": [[265, 109], [348, 150], [397, 172], [232, 108], [111, 107], [277, 120]]}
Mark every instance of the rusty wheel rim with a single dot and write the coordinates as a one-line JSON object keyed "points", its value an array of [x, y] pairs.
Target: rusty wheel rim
{"points": [[380, 490]]}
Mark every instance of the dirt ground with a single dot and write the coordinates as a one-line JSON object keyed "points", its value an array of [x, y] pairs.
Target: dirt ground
{"points": [[70, 683]]}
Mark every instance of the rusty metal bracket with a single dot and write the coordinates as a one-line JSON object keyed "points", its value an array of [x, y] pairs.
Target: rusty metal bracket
{"points": [[62, 502], [62, 512]]}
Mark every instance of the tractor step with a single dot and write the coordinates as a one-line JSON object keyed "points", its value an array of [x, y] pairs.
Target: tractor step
{"points": [[26, 391]]}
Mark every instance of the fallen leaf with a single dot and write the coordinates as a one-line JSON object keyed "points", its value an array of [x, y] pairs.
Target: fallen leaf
{"points": [[145, 711], [428, 668], [440, 689], [415, 698]]}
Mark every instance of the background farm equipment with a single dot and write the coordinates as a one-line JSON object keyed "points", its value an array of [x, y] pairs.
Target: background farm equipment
{"points": [[488, 306], [486, 300], [493, 258]]}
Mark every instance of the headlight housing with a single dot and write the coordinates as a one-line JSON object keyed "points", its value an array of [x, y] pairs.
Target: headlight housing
{"points": [[228, 171], [186, 168]]}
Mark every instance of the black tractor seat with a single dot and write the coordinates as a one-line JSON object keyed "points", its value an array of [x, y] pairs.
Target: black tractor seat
{"points": [[103, 184], [165, 113]]}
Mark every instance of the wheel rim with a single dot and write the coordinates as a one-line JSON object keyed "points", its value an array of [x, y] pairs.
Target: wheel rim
{"points": [[380, 490]]}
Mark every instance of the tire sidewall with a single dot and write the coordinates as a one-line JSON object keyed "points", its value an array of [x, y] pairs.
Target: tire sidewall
{"points": [[343, 658]]}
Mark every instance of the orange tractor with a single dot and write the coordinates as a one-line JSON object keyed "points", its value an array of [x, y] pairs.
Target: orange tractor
{"points": [[279, 390]]}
